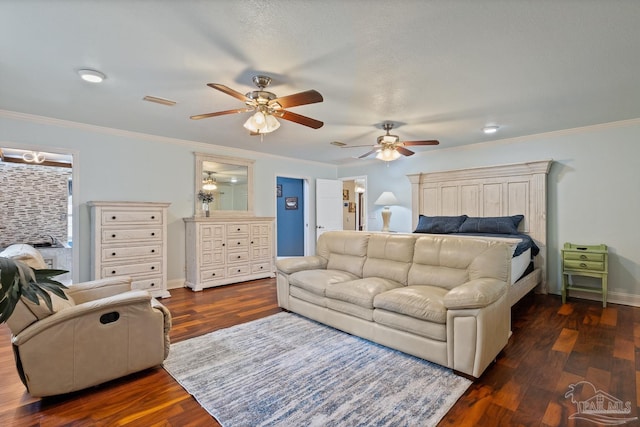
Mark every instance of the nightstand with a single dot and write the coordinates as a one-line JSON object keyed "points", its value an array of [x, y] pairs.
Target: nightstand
{"points": [[585, 260]]}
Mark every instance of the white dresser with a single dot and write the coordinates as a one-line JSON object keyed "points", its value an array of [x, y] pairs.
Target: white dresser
{"points": [[221, 251], [130, 239]]}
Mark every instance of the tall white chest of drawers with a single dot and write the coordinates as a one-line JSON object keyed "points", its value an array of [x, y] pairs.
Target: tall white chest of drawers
{"points": [[130, 239], [221, 251]]}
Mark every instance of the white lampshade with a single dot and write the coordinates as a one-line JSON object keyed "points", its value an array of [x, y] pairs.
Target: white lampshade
{"points": [[261, 123], [388, 154], [387, 198]]}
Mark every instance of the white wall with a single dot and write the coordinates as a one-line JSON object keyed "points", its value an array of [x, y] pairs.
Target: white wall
{"points": [[124, 166], [593, 186], [593, 191]]}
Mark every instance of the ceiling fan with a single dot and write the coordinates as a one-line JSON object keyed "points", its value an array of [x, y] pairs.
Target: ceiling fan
{"points": [[389, 147], [267, 106]]}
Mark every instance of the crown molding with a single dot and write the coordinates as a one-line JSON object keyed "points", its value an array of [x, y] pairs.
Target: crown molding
{"points": [[196, 145]]}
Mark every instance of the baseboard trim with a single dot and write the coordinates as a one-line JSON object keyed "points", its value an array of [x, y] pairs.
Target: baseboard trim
{"points": [[175, 283], [632, 300]]}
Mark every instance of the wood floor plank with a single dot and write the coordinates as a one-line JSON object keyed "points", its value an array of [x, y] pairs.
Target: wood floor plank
{"points": [[552, 346]]}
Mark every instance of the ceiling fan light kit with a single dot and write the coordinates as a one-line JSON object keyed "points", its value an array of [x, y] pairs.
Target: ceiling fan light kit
{"points": [[267, 106], [388, 154], [389, 147]]}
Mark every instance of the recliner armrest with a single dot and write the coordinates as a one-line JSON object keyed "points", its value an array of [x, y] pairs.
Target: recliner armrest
{"points": [[100, 288], [291, 265], [475, 293], [112, 303]]}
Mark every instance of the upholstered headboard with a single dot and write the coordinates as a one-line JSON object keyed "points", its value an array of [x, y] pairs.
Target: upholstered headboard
{"points": [[504, 190]]}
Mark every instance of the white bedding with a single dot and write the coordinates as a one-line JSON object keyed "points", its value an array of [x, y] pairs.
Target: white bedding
{"points": [[519, 264]]}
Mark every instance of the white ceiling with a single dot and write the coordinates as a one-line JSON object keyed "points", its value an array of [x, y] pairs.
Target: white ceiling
{"points": [[442, 69]]}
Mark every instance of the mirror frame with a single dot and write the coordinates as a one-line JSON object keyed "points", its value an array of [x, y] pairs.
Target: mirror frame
{"points": [[200, 158]]}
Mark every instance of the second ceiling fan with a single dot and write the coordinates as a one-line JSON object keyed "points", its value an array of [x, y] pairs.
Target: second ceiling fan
{"points": [[267, 106], [389, 147]]}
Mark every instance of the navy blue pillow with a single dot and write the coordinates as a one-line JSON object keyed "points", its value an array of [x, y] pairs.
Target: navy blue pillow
{"points": [[439, 224], [496, 224]]}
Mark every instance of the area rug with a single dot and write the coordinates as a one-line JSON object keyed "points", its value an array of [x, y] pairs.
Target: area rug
{"points": [[286, 370]]}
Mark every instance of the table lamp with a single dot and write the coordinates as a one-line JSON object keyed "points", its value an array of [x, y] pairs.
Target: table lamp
{"points": [[386, 199]]}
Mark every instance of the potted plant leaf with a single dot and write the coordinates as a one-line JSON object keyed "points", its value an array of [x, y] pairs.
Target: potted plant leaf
{"points": [[17, 280]]}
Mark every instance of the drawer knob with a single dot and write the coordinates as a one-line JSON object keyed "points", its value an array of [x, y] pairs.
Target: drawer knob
{"points": [[153, 234], [224, 244], [153, 217], [583, 265], [213, 274], [153, 284], [252, 242], [113, 254], [113, 272], [261, 267], [113, 235], [238, 242], [239, 257], [239, 270], [153, 267], [238, 229], [153, 251], [113, 217], [583, 257]]}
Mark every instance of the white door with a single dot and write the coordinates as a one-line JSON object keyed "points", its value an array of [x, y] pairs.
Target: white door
{"points": [[328, 205]]}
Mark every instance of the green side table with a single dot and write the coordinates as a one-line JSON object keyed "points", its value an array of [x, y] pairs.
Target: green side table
{"points": [[585, 260]]}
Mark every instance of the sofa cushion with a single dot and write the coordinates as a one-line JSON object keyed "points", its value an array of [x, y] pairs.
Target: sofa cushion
{"points": [[350, 309], [361, 291], [304, 295], [344, 250], [423, 328], [316, 281], [421, 302], [389, 257]]}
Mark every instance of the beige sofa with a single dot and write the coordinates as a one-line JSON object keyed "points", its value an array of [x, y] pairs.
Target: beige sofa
{"points": [[440, 298]]}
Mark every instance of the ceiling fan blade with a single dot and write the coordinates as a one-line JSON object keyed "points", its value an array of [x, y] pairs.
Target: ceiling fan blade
{"points": [[409, 143], [302, 98], [225, 89], [221, 113], [297, 118], [367, 154], [365, 145], [404, 151]]}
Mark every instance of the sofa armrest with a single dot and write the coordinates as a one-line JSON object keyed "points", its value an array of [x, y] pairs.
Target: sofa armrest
{"points": [[291, 265], [97, 289], [475, 293], [110, 303]]}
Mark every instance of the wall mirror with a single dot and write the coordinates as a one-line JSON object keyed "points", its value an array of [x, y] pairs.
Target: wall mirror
{"points": [[228, 183]]}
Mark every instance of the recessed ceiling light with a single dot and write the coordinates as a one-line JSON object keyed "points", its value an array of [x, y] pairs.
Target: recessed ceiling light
{"points": [[490, 129], [92, 76]]}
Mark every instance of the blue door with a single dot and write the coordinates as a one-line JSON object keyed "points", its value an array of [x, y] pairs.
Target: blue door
{"points": [[290, 218]]}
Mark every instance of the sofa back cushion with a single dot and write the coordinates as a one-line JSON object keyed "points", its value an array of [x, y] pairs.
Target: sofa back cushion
{"points": [[389, 257], [344, 250], [448, 261]]}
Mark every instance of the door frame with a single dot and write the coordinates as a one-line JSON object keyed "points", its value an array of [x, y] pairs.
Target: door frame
{"points": [[75, 198], [305, 212], [362, 178]]}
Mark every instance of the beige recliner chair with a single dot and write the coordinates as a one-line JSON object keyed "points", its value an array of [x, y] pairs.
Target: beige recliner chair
{"points": [[104, 331]]}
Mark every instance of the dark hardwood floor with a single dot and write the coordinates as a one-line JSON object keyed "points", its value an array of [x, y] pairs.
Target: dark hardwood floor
{"points": [[552, 347]]}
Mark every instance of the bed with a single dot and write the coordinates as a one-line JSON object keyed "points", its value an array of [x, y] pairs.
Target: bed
{"points": [[504, 191]]}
